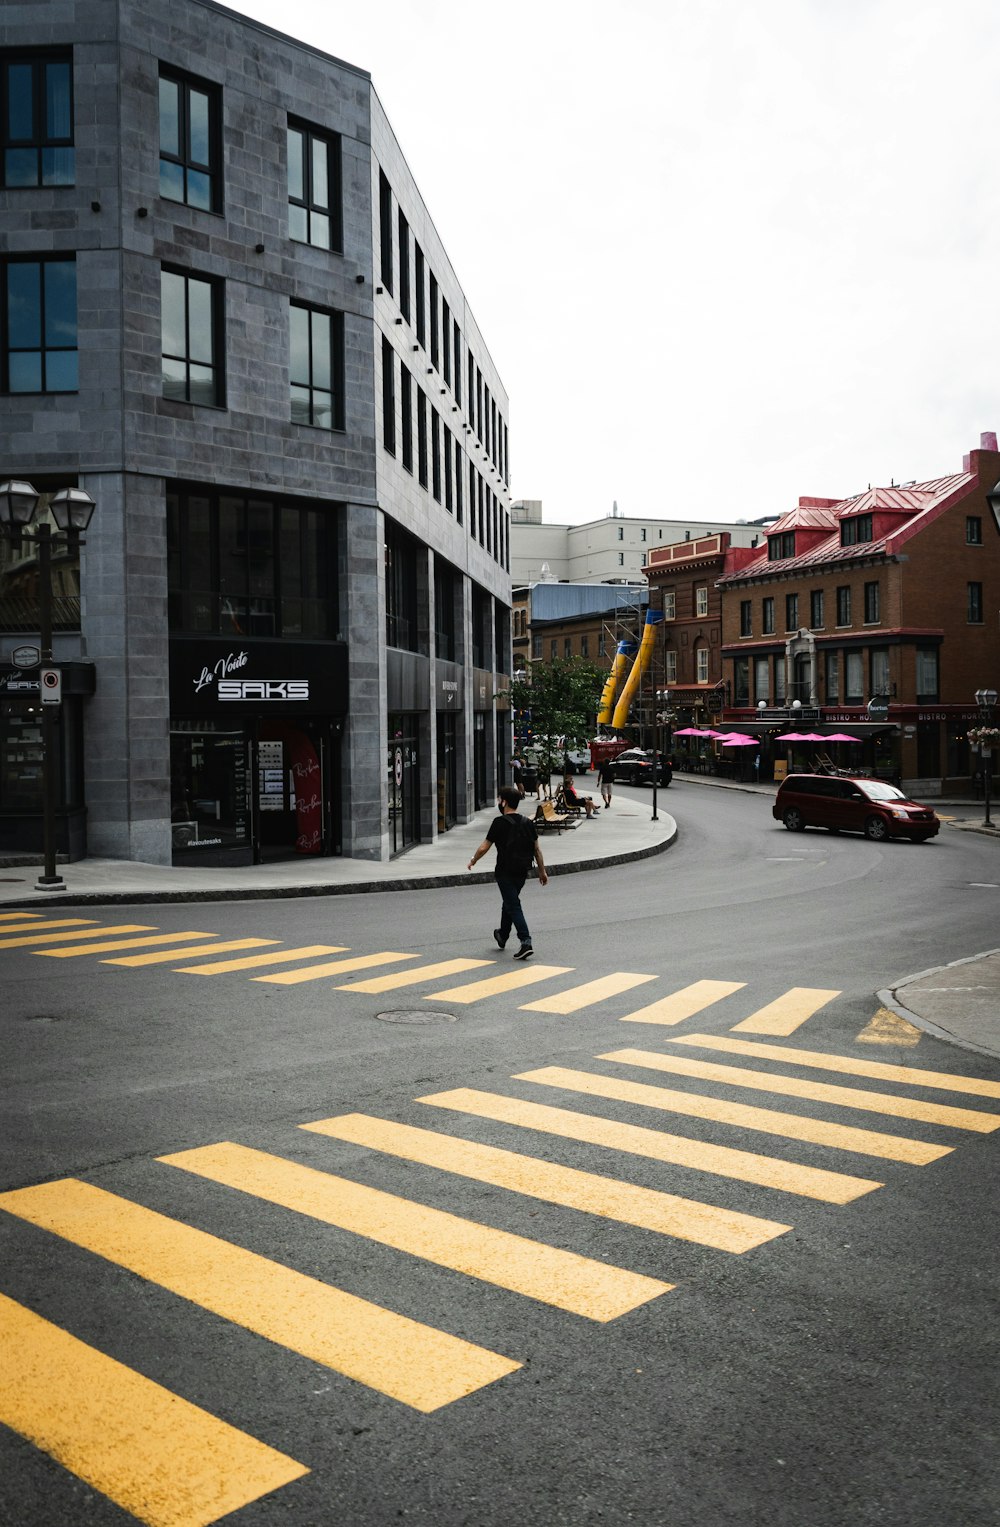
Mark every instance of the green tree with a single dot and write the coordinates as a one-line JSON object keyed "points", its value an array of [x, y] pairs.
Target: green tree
{"points": [[562, 696]]}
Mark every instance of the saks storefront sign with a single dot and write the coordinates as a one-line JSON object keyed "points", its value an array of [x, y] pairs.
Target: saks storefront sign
{"points": [[207, 678]]}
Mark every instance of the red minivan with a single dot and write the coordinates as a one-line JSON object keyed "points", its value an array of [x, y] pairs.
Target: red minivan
{"points": [[850, 803]]}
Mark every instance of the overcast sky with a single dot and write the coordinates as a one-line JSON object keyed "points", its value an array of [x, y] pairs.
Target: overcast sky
{"points": [[723, 252]]}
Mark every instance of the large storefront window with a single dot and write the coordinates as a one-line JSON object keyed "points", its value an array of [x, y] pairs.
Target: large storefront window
{"points": [[209, 806], [247, 566]]}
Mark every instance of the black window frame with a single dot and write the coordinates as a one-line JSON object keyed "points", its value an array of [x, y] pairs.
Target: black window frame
{"points": [[333, 211], [872, 603], [402, 554], [337, 413], [212, 169], [746, 617], [435, 454], [422, 477], [388, 397], [217, 287], [419, 288], [856, 530], [817, 610], [791, 612], [40, 140], [457, 340], [843, 604], [780, 548], [406, 409], [403, 232], [43, 350], [767, 615], [973, 530], [385, 230], [974, 603], [435, 321]]}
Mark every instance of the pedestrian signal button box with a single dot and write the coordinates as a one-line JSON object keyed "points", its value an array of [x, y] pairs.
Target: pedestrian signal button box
{"points": [[50, 683]]}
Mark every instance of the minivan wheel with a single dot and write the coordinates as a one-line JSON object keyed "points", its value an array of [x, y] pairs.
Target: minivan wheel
{"points": [[875, 829], [793, 819]]}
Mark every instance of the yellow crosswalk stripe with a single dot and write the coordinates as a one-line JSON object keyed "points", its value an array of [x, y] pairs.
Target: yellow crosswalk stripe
{"points": [[792, 1126], [163, 957], [685, 1003], [817, 1092], [848, 1065], [788, 1012], [13, 917], [52, 938], [46, 925], [413, 977], [149, 1451], [493, 986], [556, 1277], [70, 952], [636, 1140], [576, 997], [416, 1364], [334, 968], [250, 962], [665, 1213]]}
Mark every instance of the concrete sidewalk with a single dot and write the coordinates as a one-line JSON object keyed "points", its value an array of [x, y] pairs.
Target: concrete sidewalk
{"points": [[959, 1002]]}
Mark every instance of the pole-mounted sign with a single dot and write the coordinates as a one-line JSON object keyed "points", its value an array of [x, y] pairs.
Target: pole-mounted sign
{"points": [[50, 682]]}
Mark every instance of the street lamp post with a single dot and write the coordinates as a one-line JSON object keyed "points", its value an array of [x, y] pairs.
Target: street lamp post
{"points": [[71, 510], [662, 697], [986, 699]]}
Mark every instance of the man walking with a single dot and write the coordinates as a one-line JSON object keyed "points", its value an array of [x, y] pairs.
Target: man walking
{"points": [[606, 778], [517, 846]]}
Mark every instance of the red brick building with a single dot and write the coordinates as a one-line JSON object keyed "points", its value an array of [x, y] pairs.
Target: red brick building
{"points": [[892, 596]]}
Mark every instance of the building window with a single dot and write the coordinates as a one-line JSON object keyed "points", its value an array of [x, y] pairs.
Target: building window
{"points": [[458, 481], [767, 616], [621, 559], [927, 673], [602, 645], [404, 266], [385, 230], [446, 451], [445, 600], [247, 566], [791, 612], [402, 558], [878, 668], [741, 676], [553, 649], [975, 604], [642, 533], [316, 367], [36, 119], [762, 678], [406, 407], [388, 397], [191, 323], [458, 364], [446, 341], [856, 531], [701, 665], [313, 187], [435, 322], [871, 604], [568, 647], [621, 532], [854, 678], [670, 666], [779, 681], [816, 610], [421, 437], [420, 294], [190, 142], [669, 604], [701, 599], [38, 329], [435, 454], [585, 645], [746, 617], [781, 547], [973, 530], [832, 678], [844, 605]]}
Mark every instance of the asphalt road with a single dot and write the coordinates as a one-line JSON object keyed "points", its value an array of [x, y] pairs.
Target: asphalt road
{"points": [[595, 1280]]}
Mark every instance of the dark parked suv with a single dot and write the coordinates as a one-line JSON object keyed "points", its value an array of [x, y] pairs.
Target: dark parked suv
{"points": [[844, 802]]}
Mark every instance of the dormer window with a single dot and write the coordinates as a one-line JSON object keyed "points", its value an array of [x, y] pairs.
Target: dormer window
{"points": [[781, 547], [856, 531]]}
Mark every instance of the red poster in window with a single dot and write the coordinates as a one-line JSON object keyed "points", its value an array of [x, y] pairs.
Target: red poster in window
{"points": [[308, 794]]}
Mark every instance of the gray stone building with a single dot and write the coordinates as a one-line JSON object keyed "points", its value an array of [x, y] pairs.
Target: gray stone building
{"points": [[226, 313]]}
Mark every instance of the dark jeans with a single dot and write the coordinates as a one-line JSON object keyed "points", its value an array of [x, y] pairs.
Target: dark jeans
{"points": [[510, 892]]}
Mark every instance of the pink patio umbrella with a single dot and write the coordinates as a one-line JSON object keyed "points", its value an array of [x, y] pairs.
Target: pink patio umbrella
{"points": [[692, 731], [737, 740], [841, 737], [792, 737]]}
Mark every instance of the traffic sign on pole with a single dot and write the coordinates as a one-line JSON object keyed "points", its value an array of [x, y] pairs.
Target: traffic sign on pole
{"points": [[50, 682]]}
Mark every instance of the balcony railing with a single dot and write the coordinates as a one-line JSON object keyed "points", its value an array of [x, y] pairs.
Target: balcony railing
{"points": [[20, 614]]}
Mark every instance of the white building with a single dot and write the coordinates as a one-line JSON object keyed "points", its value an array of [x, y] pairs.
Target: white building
{"points": [[609, 550]]}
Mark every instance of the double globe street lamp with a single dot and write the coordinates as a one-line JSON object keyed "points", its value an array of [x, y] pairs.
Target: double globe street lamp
{"points": [[986, 699], [71, 509], [662, 717]]}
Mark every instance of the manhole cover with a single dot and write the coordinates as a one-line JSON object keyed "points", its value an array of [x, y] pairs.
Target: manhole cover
{"points": [[417, 1015]]}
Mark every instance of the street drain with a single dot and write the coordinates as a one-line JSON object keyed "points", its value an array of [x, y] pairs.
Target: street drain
{"points": [[417, 1015]]}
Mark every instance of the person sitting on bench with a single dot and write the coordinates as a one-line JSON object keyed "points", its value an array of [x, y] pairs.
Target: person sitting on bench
{"points": [[574, 801]]}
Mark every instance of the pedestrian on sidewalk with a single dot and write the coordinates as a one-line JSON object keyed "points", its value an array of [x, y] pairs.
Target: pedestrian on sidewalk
{"points": [[606, 778], [517, 846]]}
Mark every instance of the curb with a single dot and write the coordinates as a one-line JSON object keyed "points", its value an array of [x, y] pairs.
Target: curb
{"points": [[891, 999], [286, 893]]}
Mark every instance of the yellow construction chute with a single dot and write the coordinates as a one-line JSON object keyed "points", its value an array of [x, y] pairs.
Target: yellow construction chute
{"points": [[618, 667], [643, 659]]}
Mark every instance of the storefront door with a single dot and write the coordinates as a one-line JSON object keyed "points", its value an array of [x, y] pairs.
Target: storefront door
{"points": [[404, 785]]}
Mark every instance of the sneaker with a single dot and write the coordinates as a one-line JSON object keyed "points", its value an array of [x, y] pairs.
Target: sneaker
{"points": [[524, 953], [501, 941]]}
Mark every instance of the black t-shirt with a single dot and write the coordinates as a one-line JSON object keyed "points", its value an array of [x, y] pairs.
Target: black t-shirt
{"points": [[515, 838], [606, 773]]}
